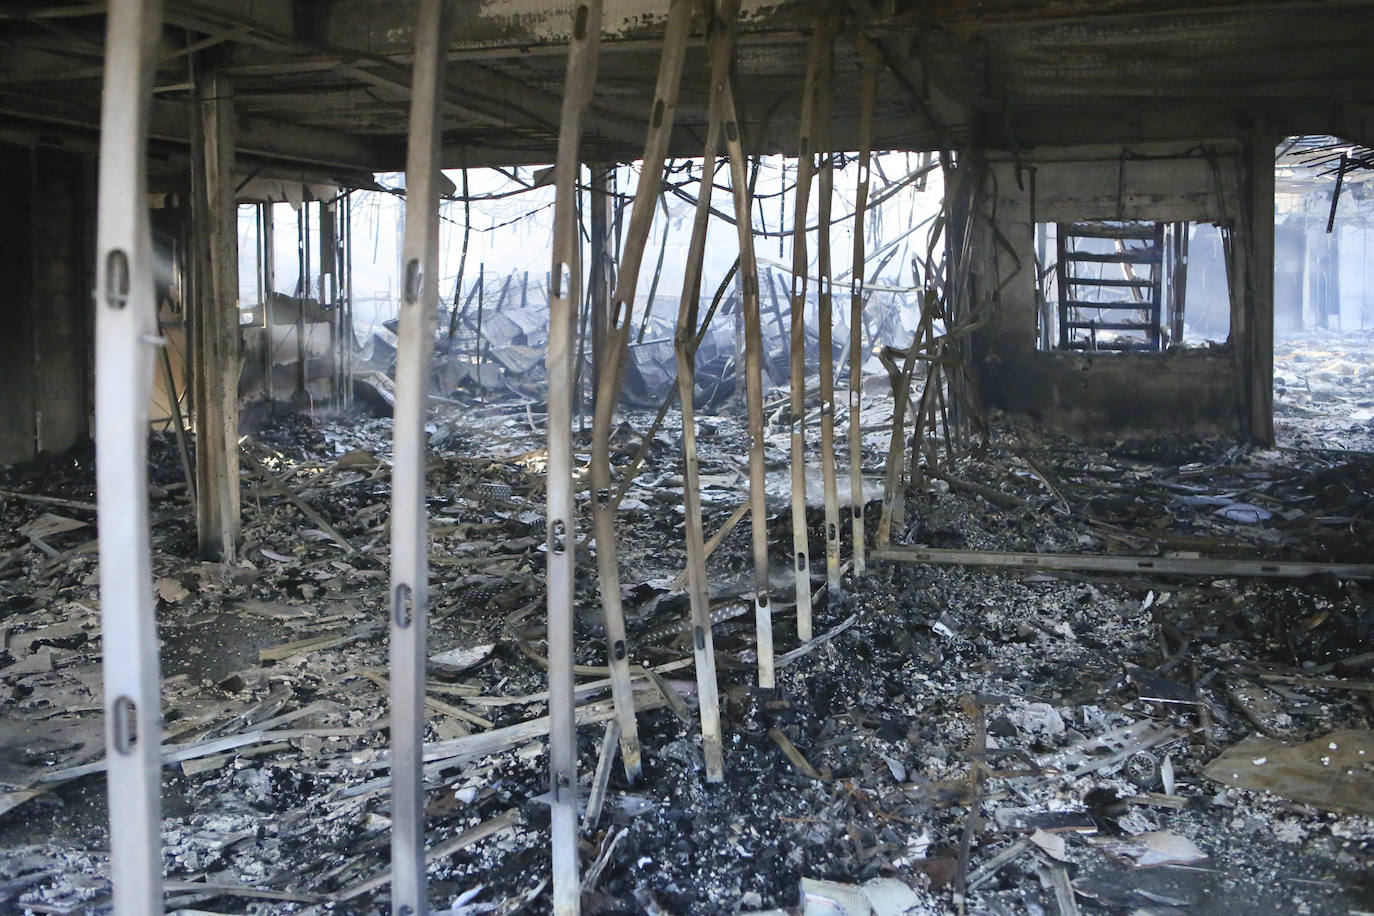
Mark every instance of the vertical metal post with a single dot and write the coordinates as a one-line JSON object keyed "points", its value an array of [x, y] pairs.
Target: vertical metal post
{"points": [[300, 397], [722, 56], [564, 295], [409, 537], [867, 101], [268, 284], [329, 298], [346, 297], [598, 280], [825, 315], [126, 326], [684, 340], [615, 342], [801, 550]]}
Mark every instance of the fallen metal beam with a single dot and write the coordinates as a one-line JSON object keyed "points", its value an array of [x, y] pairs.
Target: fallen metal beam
{"points": [[126, 337], [868, 96], [620, 324], [564, 294], [1183, 566], [409, 530]]}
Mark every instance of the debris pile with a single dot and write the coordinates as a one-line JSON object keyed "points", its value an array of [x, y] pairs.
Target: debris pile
{"points": [[951, 739]]}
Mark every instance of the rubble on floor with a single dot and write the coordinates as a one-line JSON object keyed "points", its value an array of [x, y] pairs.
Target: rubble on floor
{"points": [[954, 739]]}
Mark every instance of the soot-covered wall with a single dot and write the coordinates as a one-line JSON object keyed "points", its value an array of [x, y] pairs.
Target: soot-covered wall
{"points": [[45, 311], [1110, 395]]}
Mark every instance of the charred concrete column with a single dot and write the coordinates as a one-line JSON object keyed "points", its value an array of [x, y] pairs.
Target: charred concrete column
{"points": [[1257, 196], [214, 309]]}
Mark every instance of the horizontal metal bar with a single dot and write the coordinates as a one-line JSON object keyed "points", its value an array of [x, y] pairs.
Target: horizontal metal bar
{"points": [[1118, 345], [1094, 281], [1129, 256], [1110, 325], [1186, 566], [1127, 305]]}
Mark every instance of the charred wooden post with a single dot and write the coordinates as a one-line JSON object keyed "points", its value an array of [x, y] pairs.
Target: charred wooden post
{"points": [[825, 314], [801, 550], [564, 295], [214, 230], [409, 534], [614, 350], [868, 96], [126, 327]]}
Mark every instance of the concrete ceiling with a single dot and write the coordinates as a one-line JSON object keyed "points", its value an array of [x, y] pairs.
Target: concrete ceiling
{"points": [[322, 85]]}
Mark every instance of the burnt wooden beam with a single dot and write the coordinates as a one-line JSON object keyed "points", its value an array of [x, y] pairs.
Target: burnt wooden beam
{"points": [[215, 320]]}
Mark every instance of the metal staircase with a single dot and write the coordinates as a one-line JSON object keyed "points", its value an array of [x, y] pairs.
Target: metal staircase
{"points": [[1111, 285]]}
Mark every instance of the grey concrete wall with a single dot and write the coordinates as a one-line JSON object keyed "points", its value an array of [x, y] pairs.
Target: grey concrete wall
{"points": [[1099, 395], [45, 314]]}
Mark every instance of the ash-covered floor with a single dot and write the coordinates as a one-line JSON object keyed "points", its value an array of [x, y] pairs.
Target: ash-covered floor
{"points": [[1057, 743]]}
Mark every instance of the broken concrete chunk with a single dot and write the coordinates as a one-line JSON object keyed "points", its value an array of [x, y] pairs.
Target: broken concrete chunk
{"points": [[1052, 844], [877, 897], [464, 657], [171, 590], [1160, 847], [889, 897], [1334, 772], [1037, 719], [39, 662]]}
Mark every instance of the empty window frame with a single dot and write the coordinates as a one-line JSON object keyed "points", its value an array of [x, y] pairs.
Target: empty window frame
{"points": [[1125, 285]]}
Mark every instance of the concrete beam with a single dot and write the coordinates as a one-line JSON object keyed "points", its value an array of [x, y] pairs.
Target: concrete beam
{"points": [[214, 285], [46, 122]]}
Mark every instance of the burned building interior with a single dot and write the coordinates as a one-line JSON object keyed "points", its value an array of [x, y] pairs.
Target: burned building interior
{"points": [[687, 457]]}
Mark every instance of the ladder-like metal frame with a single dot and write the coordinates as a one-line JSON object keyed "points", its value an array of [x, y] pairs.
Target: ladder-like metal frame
{"points": [[1069, 307], [409, 529], [126, 343]]}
